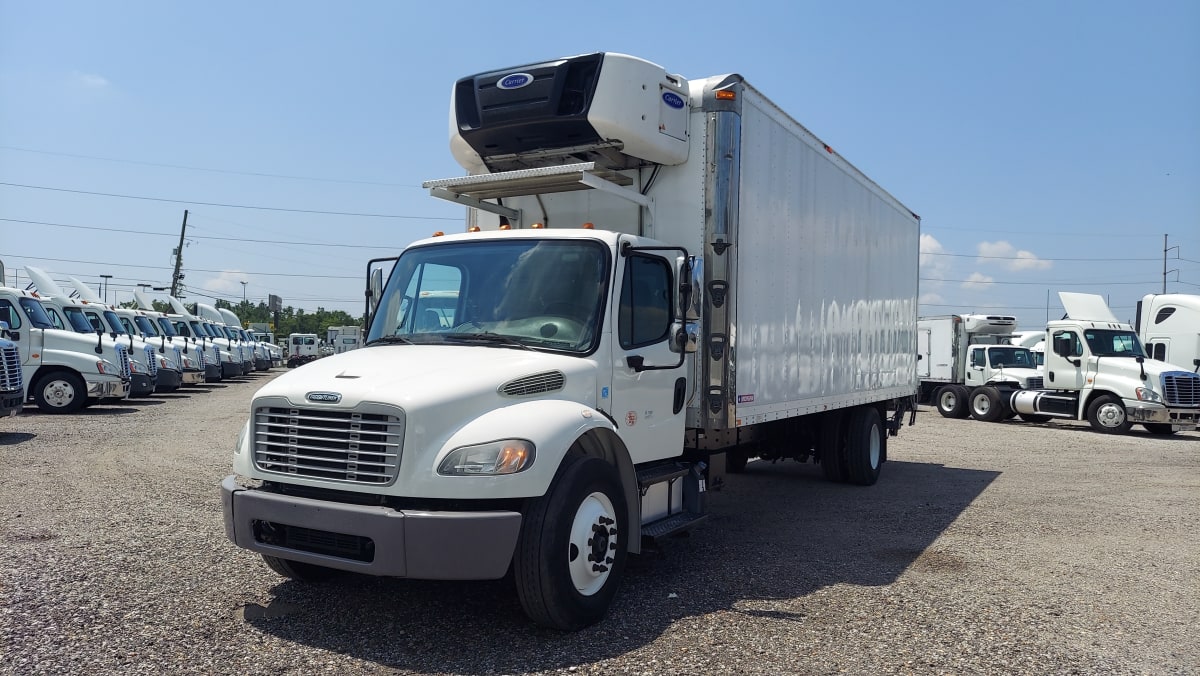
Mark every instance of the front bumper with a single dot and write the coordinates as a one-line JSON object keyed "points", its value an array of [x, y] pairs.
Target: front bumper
{"points": [[231, 369], [262, 364], [11, 402], [168, 380], [193, 377], [1145, 412], [141, 385], [106, 387], [387, 542]]}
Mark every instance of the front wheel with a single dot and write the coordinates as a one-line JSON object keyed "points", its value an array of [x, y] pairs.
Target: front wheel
{"points": [[60, 392], [1106, 414], [573, 546]]}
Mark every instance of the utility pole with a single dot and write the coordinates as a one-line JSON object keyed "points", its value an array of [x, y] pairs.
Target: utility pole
{"points": [[1165, 270], [177, 275]]}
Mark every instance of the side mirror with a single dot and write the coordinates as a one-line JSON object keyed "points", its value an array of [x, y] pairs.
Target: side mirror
{"points": [[685, 338]]}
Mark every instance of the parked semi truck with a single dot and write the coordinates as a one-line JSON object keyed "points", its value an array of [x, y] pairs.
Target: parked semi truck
{"points": [[62, 371], [199, 365], [1169, 327], [660, 279], [1097, 370], [343, 338], [302, 348], [967, 366]]}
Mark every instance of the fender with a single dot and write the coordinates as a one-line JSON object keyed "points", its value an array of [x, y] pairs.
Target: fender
{"points": [[553, 425]]}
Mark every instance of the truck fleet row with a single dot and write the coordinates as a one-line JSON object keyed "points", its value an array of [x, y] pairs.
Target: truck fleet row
{"points": [[67, 351], [1096, 368]]}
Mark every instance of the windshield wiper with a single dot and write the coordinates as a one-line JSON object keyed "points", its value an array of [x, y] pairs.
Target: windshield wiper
{"points": [[490, 338], [387, 340]]}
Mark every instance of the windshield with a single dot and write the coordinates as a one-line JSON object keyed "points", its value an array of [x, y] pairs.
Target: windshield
{"points": [[80, 322], [1011, 356], [1113, 343], [114, 321], [36, 313], [168, 327], [198, 329], [148, 327], [537, 293]]}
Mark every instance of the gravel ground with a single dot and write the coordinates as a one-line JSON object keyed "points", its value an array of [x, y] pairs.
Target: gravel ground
{"points": [[985, 548]]}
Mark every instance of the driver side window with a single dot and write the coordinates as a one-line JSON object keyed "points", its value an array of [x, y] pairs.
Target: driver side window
{"points": [[644, 315]]}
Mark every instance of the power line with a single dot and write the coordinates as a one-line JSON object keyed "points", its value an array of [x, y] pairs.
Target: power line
{"points": [[161, 267], [216, 171], [228, 239], [1039, 258], [982, 282], [231, 206]]}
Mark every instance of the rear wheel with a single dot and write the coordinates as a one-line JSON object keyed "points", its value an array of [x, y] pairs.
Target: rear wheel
{"points": [[986, 404], [866, 446], [832, 447], [1106, 414], [952, 401], [1160, 429], [304, 572], [60, 392], [572, 546]]}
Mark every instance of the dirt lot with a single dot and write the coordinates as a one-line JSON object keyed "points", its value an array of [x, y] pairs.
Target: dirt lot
{"points": [[985, 548]]}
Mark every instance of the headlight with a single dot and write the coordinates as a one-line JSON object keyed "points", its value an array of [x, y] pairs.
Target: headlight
{"points": [[1147, 394], [506, 456], [107, 367], [136, 366]]}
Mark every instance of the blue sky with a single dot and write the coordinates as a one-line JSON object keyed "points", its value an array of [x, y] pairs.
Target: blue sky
{"points": [[1046, 145]]}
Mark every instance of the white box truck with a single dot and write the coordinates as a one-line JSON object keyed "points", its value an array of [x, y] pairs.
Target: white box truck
{"points": [[1169, 326], [343, 338], [660, 278], [1097, 370], [967, 365]]}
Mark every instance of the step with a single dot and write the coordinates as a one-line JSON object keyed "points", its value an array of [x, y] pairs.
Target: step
{"points": [[673, 524], [654, 475]]}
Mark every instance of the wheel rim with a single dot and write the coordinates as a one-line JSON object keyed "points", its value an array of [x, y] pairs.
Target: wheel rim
{"points": [[876, 445], [59, 393], [593, 543], [949, 400], [1110, 415], [982, 405]]}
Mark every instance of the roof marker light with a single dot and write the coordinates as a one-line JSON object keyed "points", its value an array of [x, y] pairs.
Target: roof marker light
{"points": [[439, 233], [588, 225], [505, 226], [726, 95], [537, 226]]}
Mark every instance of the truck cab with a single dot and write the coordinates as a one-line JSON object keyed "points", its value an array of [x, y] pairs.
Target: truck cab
{"points": [[302, 348], [12, 380], [1169, 327], [156, 326], [1097, 370], [62, 370]]}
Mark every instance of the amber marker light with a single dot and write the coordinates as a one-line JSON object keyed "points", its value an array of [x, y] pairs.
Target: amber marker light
{"points": [[439, 233], [473, 228], [588, 226], [505, 226], [726, 95], [537, 226]]}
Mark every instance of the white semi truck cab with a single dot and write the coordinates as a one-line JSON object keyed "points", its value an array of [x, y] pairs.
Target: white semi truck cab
{"points": [[968, 366], [1097, 370], [660, 280], [63, 371]]}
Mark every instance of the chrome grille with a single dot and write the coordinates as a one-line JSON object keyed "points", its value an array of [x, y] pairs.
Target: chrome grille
{"points": [[1036, 383], [539, 383], [336, 445], [178, 357], [1181, 388], [10, 369], [123, 361], [151, 360]]}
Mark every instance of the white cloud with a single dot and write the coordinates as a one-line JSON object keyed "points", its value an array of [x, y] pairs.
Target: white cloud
{"points": [[228, 283], [90, 80], [1014, 259], [931, 299], [933, 266], [977, 282]]}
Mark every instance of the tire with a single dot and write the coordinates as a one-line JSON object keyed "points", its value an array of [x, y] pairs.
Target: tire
{"points": [[735, 461], [581, 518], [1034, 417], [866, 446], [60, 392], [986, 404], [832, 450], [952, 401], [1160, 429], [303, 572], [1106, 414]]}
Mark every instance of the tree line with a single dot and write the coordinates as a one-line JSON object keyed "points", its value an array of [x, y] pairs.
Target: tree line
{"points": [[289, 320]]}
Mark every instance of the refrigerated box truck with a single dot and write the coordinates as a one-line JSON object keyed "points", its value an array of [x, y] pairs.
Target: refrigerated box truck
{"points": [[660, 279]]}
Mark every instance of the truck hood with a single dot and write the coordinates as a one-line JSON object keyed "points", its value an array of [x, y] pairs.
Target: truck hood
{"points": [[1016, 373], [421, 376], [1127, 367]]}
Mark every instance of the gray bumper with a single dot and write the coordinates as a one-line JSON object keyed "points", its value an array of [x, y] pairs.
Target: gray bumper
{"points": [[106, 387], [193, 377], [168, 380], [1145, 412], [231, 369], [414, 544]]}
